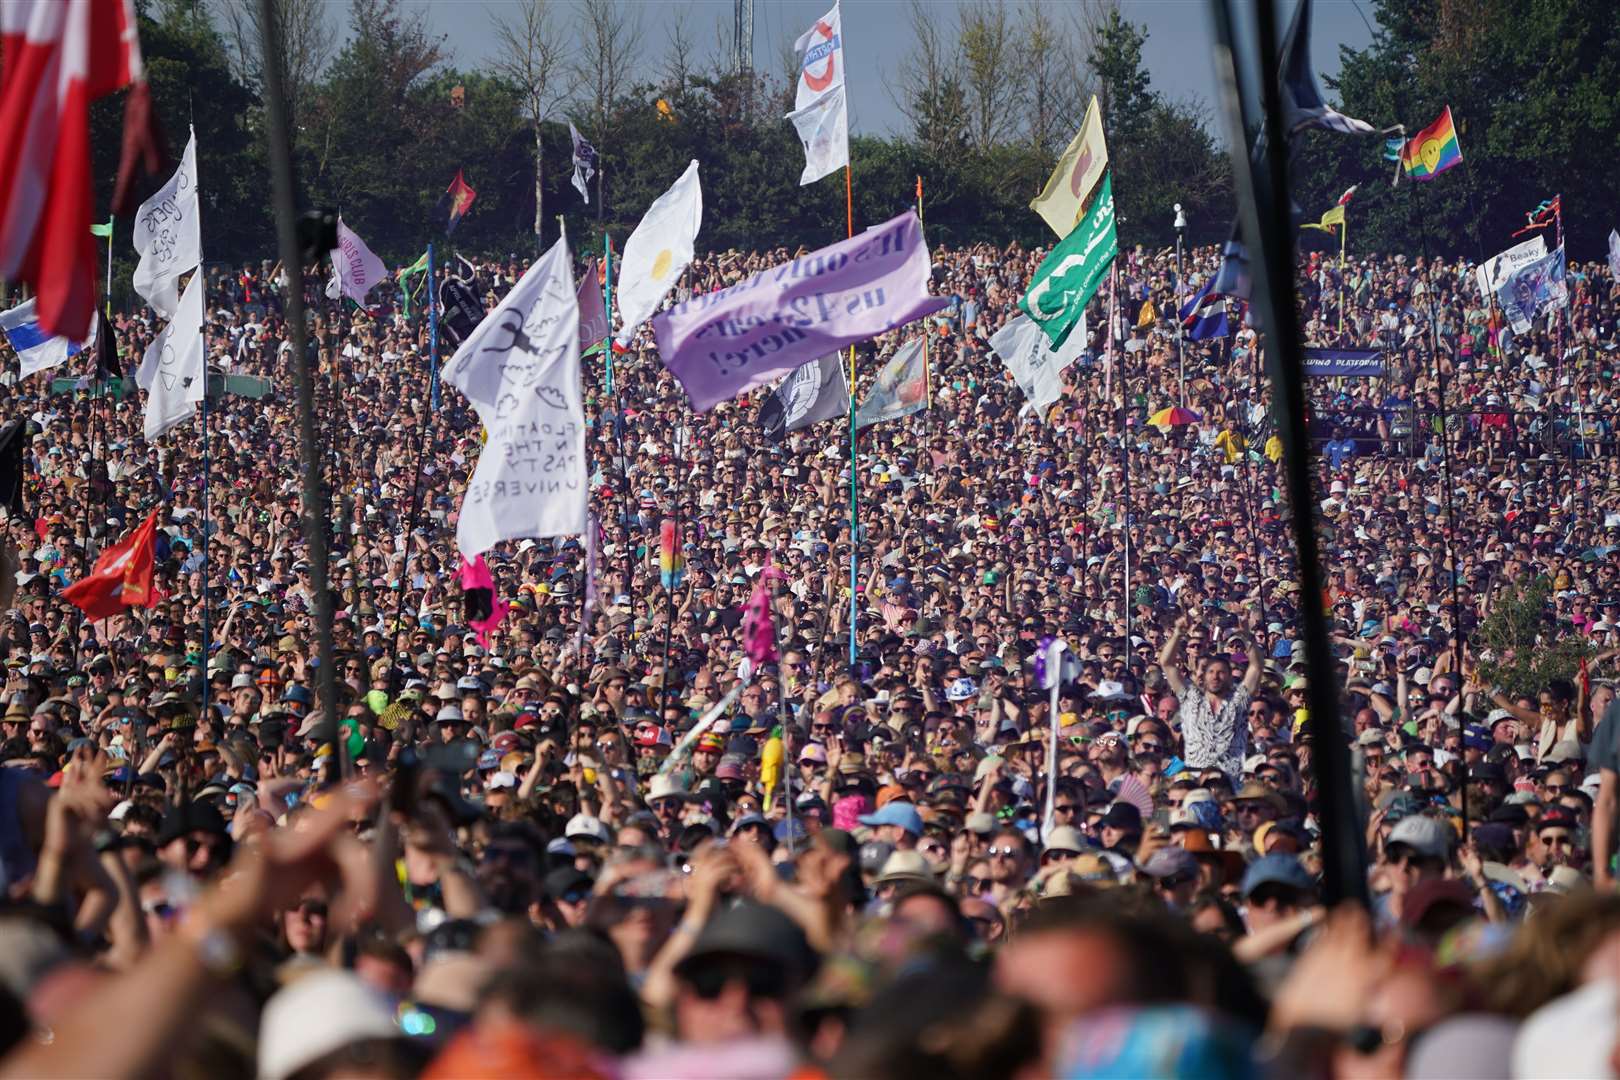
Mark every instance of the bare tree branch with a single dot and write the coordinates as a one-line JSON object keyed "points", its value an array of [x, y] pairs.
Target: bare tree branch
{"points": [[532, 55], [928, 89], [307, 45], [1054, 92], [992, 72]]}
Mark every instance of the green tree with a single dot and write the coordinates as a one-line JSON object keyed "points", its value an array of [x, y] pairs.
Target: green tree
{"points": [[1521, 648], [1161, 152], [189, 71], [1534, 89], [361, 148]]}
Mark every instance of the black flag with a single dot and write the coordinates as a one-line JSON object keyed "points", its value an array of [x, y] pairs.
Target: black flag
{"points": [[459, 310], [816, 391], [13, 437], [107, 365]]}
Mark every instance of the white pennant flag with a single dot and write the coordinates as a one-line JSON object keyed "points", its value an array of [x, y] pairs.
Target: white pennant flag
{"points": [[168, 236], [657, 252], [520, 369], [355, 270], [174, 367], [823, 128], [821, 60], [1035, 366]]}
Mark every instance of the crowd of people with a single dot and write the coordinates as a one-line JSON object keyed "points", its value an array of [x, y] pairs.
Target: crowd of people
{"points": [[590, 846]]}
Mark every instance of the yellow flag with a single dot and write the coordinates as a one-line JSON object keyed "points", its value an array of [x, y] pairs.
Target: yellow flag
{"points": [[1148, 316], [1078, 170], [1330, 220]]}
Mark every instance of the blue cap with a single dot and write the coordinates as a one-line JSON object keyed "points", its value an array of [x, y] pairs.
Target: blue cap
{"points": [[1276, 870], [1477, 738], [898, 813]]}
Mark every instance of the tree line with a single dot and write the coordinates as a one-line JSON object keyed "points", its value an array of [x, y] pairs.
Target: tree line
{"points": [[383, 117]]}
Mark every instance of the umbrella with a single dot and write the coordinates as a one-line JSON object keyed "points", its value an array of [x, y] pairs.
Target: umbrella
{"points": [[1175, 416]]}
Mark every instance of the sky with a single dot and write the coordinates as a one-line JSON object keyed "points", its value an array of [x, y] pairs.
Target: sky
{"points": [[877, 35]]}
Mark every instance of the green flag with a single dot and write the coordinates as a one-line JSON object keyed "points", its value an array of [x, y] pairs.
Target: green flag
{"points": [[102, 230], [1068, 277], [404, 278]]}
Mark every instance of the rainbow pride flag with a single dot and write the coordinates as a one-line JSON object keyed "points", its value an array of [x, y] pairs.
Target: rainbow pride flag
{"points": [[671, 567], [1433, 150]]}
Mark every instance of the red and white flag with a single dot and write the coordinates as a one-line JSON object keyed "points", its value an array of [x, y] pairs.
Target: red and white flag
{"points": [[56, 57], [1349, 193], [122, 577]]}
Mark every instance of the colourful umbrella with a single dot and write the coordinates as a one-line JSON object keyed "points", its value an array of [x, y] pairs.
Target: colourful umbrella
{"points": [[1175, 416]]}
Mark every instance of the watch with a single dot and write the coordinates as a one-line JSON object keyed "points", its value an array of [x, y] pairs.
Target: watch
{"points": [[217, 949]]}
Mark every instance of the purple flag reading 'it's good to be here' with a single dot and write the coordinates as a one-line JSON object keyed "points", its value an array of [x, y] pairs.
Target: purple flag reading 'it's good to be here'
{"points": [[724, 343]]}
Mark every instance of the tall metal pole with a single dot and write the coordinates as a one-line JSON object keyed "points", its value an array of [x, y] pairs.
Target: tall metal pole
{"points": [[1262, 190], [1181, 363], [292, 260]]}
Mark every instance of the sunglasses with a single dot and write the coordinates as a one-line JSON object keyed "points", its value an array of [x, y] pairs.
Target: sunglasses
{"points": [[762, 980], [1003, 853]]}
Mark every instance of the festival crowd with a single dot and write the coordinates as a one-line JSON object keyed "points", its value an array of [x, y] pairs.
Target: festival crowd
{"points": [[592, 847]]}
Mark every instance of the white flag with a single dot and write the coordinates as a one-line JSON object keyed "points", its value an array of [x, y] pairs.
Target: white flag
{"points": [[657, 252], [823, 128], [1614, 254], [821, 60], [1501, 266], [1035, 366], [174, 367], [520, 369], [168, 236], [36, 350], [355, 270]]}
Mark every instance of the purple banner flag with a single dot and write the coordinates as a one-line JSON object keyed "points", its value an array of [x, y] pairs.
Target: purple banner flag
{"points": [[724, 343]]}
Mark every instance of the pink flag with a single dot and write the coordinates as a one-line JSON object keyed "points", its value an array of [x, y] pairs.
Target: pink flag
{"points": [[758, 625], [485, 610]]}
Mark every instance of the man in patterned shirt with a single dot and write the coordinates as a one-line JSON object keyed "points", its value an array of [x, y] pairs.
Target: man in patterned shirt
{"points": [[1214, 725]]}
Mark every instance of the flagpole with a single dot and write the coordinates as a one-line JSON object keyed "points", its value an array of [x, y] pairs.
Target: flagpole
{"points": [[314, 500], [1262, 197], [1124, 448], [1445, 465], [928, 382], [1344, 238], [854, 491], [433, 331], [108, 296], [607, 305], [207, 623]]}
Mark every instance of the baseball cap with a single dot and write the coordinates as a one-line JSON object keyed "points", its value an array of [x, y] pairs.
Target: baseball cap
{"points": [[899, 813], [1276, 870], [1429, 837]]}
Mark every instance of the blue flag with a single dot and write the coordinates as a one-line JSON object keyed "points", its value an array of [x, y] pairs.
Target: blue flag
{"points": [[1205, 316]]}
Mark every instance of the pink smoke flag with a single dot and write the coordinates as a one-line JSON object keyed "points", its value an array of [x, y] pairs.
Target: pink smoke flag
{"points": [[759, 625], [485, 610]]}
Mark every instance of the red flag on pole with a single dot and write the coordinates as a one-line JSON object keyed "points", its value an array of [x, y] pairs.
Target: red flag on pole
{"points": [[460, 198], [56, 57], [122, 577]]}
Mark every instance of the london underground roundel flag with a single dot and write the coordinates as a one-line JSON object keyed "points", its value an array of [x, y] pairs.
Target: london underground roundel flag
{"points": [[821, 59]]}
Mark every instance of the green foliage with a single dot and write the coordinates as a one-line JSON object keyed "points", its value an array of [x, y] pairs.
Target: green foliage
{"points": [[379, 138], [1521, 648], [1161, 151], [1534, 89]]}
